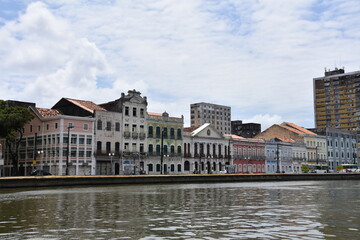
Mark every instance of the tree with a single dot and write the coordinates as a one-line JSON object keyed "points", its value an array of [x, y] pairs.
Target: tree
{"points": [[12, 121]]}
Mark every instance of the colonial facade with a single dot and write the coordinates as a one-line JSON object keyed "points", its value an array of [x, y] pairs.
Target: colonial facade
{"points": [[47, 145], [341, 146], [206, 150], [164, 141], [248, 155], [133, 110]]}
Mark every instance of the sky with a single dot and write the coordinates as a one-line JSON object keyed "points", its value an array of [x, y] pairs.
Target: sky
{"points": [[257, 56]]}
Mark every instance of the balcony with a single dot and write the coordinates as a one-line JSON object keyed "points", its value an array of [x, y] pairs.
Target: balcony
{"points": [[126, 134], [142, 136], [134, 135]]}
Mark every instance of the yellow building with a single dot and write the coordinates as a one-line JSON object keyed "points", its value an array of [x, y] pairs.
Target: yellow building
{"points": [[336, 100]]}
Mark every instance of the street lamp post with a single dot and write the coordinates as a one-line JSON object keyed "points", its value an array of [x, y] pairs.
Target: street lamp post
{"points": [[111, 162], [41, 157], [68, 150], [162, 150]]}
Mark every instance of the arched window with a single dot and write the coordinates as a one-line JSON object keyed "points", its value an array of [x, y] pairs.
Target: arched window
{"points": [[151, 167], [179, 167], [157, 132], [158, 167], [187, 166], [151, 148], [179, 149], [150, 131]]}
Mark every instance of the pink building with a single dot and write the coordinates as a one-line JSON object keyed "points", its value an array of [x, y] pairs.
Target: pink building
{"points": [[248, 155], [45, 144]]}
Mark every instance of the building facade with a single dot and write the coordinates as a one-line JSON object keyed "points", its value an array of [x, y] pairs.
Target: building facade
{"points": [[248, 155], [46, 144], [164, 144], [217, 115], [341, 146], [206, 150], [133, 109], [337, 100]]}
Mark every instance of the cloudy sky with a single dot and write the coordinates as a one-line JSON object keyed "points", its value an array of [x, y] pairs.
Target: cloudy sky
{"points": [[259, 57]]}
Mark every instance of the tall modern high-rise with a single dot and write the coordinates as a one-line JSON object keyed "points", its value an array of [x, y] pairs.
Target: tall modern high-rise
{"points": [[217, 115], [337, 100]]}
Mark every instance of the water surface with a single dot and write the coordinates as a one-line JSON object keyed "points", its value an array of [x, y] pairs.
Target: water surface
{"points": [[264, 210]]}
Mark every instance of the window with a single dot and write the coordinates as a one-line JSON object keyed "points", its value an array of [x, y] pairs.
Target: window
{"points": [[88, 140], [81, 139], [141, 147], [172, 133], [56, 125], [165, 132], [47, 126], [151, 148], [150, 131], [142, 113], [134, 112], [98, 146], [126, 147], [108, 126], [39, 128], [179, 133], [126, 111], [158, 149], [134, 147], [117, 147], [30, 128], [70, 125], [157, 132], [134, 128], [99, 125], [117, 126], [172, 149], [165, 149], [73, 139], [179, 149], [86, 126], [108, 147]]}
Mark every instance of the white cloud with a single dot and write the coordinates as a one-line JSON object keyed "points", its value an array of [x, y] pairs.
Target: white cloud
{"points": [[259, 57]]}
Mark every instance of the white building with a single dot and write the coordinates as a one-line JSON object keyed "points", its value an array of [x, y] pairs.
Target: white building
{"points": [[205, 150]]}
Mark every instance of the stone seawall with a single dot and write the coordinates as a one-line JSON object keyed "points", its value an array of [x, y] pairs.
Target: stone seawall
{"points": [[51, 181]]}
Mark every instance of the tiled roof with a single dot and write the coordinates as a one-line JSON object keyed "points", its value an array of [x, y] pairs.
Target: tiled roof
{"points": [[233, 136], [289, 140], [46, 113], [154, 114], [292, 129], [304, 130], [87, 105]]}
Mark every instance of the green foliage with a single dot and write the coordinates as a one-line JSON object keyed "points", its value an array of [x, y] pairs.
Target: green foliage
{"points": [[12, 120]]}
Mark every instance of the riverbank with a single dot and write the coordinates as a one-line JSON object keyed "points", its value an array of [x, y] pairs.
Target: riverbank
{"points": [[51, 181]]}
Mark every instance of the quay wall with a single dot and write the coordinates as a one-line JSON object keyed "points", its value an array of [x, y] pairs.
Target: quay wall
{"points": [[52, 181]]}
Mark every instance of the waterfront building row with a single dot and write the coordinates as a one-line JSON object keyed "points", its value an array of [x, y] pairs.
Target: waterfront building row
{"points": [[80, 137]]}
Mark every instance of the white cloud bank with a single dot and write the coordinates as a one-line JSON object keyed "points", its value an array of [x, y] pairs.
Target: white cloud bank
{"points": [[259, 57]]}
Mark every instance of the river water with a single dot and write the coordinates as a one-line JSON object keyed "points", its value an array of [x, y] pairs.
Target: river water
{"points": [[261, 210]]}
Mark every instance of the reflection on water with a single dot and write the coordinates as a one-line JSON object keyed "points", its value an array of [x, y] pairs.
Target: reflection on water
{"points": [[270, 210]]}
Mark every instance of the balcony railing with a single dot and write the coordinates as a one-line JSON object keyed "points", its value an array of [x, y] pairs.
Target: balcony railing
{"points": [[134, 135], [126, 135], [142, 136]]}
